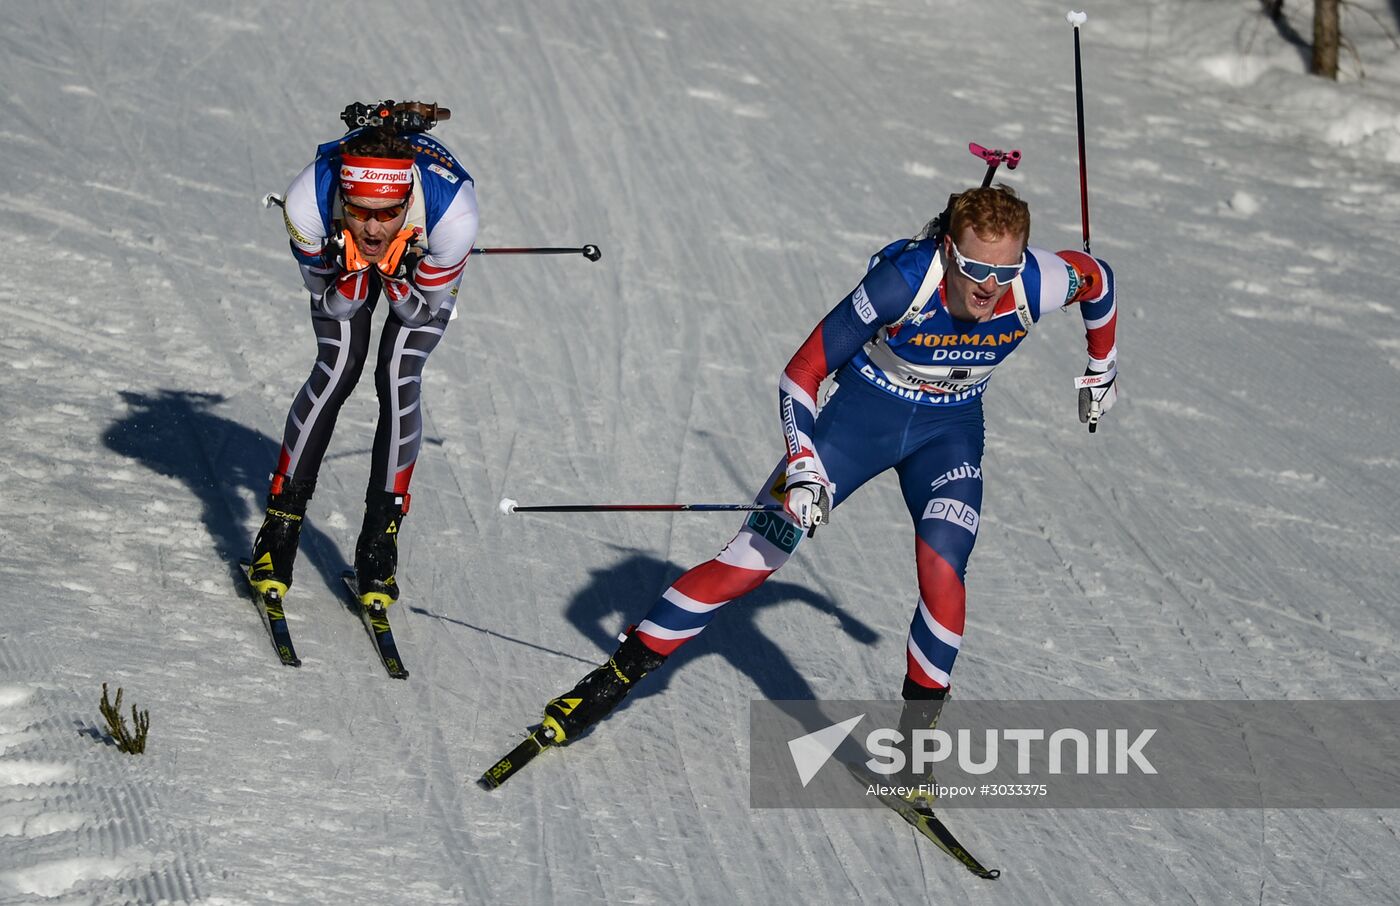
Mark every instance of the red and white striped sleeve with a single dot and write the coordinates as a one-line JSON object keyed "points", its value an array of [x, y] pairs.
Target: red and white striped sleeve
{"points": [[433, 290]]}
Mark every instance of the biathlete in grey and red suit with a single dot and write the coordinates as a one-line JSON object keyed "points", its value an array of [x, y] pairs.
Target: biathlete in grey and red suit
{"points": [[376, 217]]}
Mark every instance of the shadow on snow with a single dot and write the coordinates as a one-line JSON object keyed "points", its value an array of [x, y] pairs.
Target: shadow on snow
{"points": [[619, 595], [176, 433]]}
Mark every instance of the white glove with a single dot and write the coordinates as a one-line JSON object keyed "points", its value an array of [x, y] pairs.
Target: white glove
{"points": [[1097, 394], [808, 500]]}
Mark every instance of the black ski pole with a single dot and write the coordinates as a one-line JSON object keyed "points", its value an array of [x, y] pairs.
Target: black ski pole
{"points": [[508, 506], [1077, 19], [590, 251]]}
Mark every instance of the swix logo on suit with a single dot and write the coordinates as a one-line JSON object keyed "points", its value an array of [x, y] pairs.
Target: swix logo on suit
{"points": [[966, 470]]}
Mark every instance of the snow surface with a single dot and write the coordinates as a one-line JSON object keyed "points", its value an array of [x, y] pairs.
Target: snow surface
{"points": [[1229, 533]]}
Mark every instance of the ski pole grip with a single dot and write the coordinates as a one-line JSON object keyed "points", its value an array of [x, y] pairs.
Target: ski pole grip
{"points": [[1076, 18]]}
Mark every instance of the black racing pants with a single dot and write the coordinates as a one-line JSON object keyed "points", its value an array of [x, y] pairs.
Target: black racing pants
{"points": [[342, 348]]}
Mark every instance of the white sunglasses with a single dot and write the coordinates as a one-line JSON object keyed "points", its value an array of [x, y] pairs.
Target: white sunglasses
{"points": [[979, 271]]}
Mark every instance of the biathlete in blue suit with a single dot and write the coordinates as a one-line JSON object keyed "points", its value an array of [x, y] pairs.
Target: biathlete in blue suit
{"points": [[913, 347]]}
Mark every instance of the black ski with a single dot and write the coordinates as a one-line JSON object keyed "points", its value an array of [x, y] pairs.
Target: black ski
{"points": [[269, 605], [923, 820], [521, 755], [376, 620], [930, 825]]}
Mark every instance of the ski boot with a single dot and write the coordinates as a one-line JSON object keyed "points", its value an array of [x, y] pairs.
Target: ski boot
{"points": [[377, 551], [275, 548], [599, 692], [922, 706]]}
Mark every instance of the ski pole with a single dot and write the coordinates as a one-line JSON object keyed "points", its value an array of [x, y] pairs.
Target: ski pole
{"points": [[994, 158], [508, 506], [590, 251], [1077, 19]]}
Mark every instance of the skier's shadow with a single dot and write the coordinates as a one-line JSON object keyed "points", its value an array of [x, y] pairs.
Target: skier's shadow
{"points": [[618, 595], [177, 434]]}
